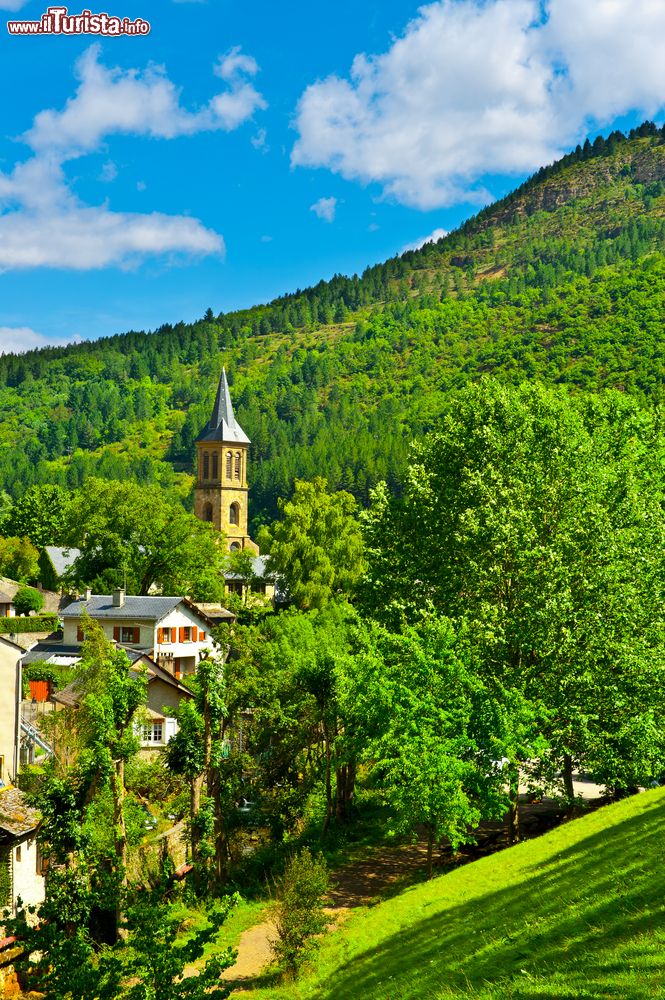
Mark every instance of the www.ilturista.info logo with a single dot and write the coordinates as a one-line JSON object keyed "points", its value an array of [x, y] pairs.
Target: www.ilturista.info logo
{"points": [[58, 21]]}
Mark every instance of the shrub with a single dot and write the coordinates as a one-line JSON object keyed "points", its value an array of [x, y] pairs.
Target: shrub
{"points": [[28, 599], [299, 914]]}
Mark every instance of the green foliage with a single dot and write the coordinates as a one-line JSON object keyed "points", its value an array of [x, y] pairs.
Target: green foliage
{"points": [[152, 780], [110, 694], [317, 546], [185, 752], [540, 530], [154, 967], [19, 559], [27, 599], [39, 515], [63, 962], [299, 915], [432, 731], [290, 670], [133, 534], [39, 623], [5, 877]]}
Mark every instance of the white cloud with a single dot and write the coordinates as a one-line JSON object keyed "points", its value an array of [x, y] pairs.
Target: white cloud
{"points": [[84, 238], [114, 101], [259, 141], [433, 237], [109, 172], [325, 209], [17, 339], [45, 225], [484, 86], [12, 4]]}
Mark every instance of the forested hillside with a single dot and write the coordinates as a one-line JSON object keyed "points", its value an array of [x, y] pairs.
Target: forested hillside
{"points": [[563, 281]]}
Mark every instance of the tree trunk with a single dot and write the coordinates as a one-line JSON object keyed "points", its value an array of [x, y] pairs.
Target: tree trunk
{"points": [[568, 788], [430, 849], [120, 833], [514, 805], [221, 845], [328, 784], [346, 783], [341, 779], [194, 806]]}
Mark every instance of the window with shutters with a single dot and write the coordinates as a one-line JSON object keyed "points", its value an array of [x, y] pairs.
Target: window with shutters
{"points": [[215, 466], [237, 465], [130, 634], [185, 634], [206, 465]]}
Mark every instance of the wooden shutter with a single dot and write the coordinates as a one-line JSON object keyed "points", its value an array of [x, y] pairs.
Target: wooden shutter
{"points": [[176, 666], [174, 635], [182, 634], [79, 634], [202, 636], [136, 637], [116, 633]]}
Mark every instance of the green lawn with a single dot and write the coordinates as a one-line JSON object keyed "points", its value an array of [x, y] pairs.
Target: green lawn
{"points": [[577, 913]]}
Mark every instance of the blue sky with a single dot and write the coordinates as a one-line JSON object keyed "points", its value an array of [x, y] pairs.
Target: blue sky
{"points": [[242, 150]]}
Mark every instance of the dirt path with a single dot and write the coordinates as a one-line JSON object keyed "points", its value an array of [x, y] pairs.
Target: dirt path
{"points": [[356, 884], [387, 869]]}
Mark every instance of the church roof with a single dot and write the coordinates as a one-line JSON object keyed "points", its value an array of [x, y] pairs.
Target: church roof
{"points": [[223, 425]]}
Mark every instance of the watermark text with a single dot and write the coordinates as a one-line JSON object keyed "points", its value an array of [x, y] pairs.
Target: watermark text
{"points": [[58, 21]]}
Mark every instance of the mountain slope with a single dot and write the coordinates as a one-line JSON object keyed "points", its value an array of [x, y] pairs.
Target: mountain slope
{"points": [[576, 913], [562, 281]]}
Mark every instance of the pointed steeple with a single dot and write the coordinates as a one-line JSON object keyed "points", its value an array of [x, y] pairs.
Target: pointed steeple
{"points": [[223, 425]]}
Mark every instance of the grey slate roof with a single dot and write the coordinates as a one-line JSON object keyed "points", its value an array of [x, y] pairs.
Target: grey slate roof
{"points": [[42, 651], [61, 559], [260, 566], [223, 425], [102, 606]]}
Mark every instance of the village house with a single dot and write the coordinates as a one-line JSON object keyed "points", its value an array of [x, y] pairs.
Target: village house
{"points": [[165, 694], [7, 609], [172, 630], [20, 861]]}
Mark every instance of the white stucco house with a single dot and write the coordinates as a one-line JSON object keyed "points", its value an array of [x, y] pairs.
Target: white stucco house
{"points": [[20, 861], [172, 630]]}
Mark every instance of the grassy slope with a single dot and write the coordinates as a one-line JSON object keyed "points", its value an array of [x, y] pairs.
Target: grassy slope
{"points": [[577, 913]]}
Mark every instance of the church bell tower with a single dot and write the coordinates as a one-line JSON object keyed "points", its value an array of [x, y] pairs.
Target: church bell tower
{"points": [[222, 492]]}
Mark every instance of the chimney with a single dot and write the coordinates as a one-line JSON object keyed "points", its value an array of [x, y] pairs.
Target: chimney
{"points": [[87, 594], [118, 598]]}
